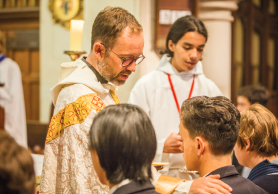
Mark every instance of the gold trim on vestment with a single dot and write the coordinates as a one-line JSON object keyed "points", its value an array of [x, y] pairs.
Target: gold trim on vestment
{"points": [[73, 113], [76, 113], [114, 96]]}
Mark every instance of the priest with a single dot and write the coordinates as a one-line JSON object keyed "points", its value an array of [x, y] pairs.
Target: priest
{"points": [[85, 87]]}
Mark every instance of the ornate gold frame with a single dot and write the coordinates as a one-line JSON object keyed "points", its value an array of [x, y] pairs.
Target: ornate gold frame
{"points": [[65, 22]]}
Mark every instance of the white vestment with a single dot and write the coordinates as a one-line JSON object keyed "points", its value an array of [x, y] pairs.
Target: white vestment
{"points": [[153, 93], [78, 97], [12, 100]]}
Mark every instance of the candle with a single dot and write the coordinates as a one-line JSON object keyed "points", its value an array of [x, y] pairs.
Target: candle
{"points": [[76, 32]]}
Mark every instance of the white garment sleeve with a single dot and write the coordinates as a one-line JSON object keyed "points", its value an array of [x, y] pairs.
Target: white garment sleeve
{"points": [[159, 152], [139, 96], [4, 95], [183, 187]]}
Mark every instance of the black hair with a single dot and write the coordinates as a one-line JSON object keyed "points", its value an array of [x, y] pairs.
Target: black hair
{"points": [[215, 119], [125, 142], [255, 93], [181, 26]]}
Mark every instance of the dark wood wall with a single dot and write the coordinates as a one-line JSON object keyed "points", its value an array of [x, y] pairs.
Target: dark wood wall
{"points": [[255, 48], [19, 20]]}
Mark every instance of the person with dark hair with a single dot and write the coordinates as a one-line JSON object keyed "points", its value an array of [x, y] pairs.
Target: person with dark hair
{"points": [[17, 174], [86, 86], [257, 146], [249, 95], [179, 76], [123, 145], [209, 127]]}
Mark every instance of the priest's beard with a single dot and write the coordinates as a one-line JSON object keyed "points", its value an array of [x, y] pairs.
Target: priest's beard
{"points": [[106, 71]]}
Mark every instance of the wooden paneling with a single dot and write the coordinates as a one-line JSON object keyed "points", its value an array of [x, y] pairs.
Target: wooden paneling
{"points": [[28, 61], [256, 19], [18, 25], [36, 133], [35, 60], [19, 19], [23, 60], [2, 118]]}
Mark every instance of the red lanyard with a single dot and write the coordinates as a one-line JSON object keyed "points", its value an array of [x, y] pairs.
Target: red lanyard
{"points": [[174, 93]]}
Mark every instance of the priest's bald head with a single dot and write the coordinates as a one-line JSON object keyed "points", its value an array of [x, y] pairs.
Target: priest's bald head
{"points": [[116, 45]]}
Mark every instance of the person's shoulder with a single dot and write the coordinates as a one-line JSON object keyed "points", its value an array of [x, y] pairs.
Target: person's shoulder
{"points": [[146, 82], [207, 80], [267, 182], [242, 185], [210, 85], [73, 93], [11, 63], [137, 188], [149, 77]]}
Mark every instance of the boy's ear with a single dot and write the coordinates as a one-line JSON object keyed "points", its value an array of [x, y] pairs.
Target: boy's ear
{"points": [[99, 51], [247, 144], [200, 145], [171, 45]]}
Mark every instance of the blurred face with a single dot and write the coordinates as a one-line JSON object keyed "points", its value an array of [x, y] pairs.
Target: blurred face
{"points": [[99, 170], [128, 45], [187, 51], [189, 149], [242, 103]]}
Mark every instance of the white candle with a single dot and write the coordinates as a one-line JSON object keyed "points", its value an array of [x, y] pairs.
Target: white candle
{"points": [[76, 32]]}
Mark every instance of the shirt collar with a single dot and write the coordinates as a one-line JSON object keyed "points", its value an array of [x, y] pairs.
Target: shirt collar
{"points": [[115, 187], [99, 77]]}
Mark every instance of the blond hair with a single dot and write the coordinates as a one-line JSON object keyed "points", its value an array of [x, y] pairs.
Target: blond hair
{"points": [[259, 126]]}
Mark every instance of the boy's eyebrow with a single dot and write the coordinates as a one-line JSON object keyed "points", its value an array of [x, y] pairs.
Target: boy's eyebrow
{"points": [[188, 44]]}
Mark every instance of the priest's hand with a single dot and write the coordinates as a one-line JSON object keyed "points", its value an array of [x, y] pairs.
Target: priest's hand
{"points": [[210, 184], [173, 144]]}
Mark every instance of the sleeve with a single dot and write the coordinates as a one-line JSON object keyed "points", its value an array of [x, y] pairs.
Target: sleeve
{"points": [[183, 188], [142, 95], [160, 156], [4, 95]]}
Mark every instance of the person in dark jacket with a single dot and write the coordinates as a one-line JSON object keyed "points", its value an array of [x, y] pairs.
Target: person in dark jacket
{"points": [[209, 128], [257, 146], [123, 145]]}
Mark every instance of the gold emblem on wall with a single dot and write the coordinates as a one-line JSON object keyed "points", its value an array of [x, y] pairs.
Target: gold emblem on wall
{"points": [[65, 10]]}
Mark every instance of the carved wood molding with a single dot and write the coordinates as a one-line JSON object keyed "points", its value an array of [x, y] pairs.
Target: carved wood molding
{"points": [[19, 13]]}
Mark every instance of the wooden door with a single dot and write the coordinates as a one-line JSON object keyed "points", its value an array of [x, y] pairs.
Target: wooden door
{"points": [[28, 61], [255, 48], [19, 20]]}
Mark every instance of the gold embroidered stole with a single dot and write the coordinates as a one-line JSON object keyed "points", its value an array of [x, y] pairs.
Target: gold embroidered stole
{"points": [[76, 113]]}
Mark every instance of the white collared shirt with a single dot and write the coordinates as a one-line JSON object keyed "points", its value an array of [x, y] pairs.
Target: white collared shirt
{"points": [[115, 187]]}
